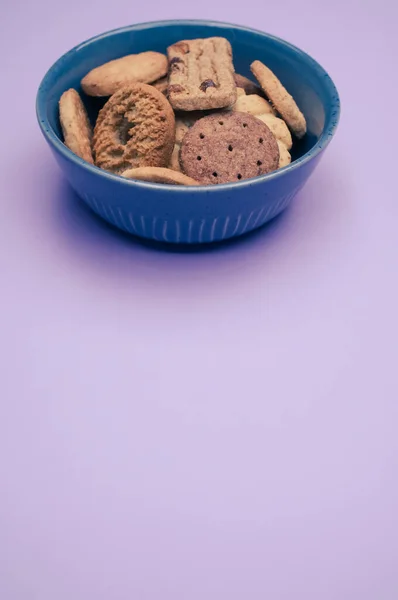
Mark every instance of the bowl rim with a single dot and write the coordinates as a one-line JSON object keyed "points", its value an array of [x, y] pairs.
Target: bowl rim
{"points": [[328, 132]]}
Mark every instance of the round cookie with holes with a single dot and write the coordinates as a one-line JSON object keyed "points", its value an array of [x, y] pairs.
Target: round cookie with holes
{"points": [[228, 147], [135, 128]]}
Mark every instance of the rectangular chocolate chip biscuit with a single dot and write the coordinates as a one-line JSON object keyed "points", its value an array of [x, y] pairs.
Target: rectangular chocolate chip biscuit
{"points": [[201, 74]]}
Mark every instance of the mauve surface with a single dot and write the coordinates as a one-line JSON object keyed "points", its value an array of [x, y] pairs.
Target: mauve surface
{"points": [[222, 424]]}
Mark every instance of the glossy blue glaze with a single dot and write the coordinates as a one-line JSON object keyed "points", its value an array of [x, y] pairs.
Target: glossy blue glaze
{"points": [[192, 214]]}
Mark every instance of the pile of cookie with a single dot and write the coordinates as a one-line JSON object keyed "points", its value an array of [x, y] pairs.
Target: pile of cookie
{"points": [[185, 119]]}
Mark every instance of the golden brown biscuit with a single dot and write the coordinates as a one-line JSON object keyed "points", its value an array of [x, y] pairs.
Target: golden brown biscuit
{"points": [[75, 125], [201, 74], [280, 98], [284, 155], [159, 175], [135, 128], [184, 122], [161, 84], [278, 128], [254, 105], [174, 163], [105, 80]]}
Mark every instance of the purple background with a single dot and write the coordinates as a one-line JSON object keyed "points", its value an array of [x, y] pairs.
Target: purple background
{"points": [[211, 425]]}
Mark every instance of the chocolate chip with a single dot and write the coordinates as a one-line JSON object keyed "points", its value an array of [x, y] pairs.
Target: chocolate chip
{"points": [[175, 61], [206, 84]]}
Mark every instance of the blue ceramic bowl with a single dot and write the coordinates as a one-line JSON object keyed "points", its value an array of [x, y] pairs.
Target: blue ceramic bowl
{"points": [[192, 214]]}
